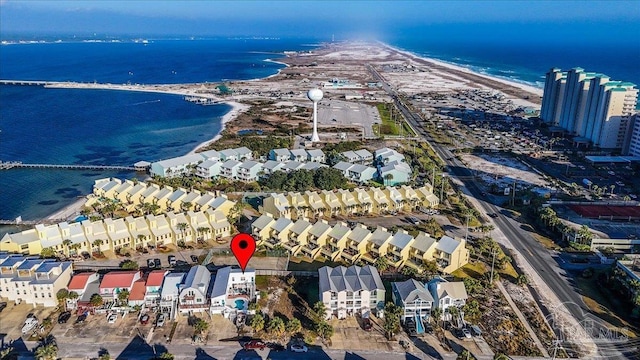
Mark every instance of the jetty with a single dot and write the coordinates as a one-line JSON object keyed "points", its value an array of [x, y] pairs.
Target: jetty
{"points": [[19, 164]]}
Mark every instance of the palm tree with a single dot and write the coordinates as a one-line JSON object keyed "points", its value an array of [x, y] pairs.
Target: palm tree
{"points": [[186, 206], [66, 244], [437, 316], [381, 264], [75, 247], [202, 230], [387, 178], [141, 239], [612, 187], [182, 227], [585, 235], [96, 300], [97, 243], [47, 352]]}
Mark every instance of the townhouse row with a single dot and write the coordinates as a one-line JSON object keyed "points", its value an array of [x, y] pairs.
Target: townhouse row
{"points": [[113, 234], [249, 171], [185, 164], [32, 280], [347, 291], [134, 195], [359, 243], [238, 164], [228, 290], [359, 201]]}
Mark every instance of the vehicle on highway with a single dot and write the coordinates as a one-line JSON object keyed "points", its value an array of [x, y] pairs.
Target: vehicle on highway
{"points": [[64, 317], [29, 325], [3, 305], [366, 324], [81, 319], [275, 346], [150, 263], [299, 348], [161, 320], [492, 215], [144, 319], [254, 344], [157, 262], [111, 318], [172, 260]]}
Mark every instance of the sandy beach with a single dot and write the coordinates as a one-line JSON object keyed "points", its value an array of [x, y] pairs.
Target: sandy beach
{"points": [[68, 211], [236, 109]]}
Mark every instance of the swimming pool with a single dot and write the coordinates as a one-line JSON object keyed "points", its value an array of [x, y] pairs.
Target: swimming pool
{"points": [[241, 304]]}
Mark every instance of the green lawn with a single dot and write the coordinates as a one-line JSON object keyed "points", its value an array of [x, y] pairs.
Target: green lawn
{"points": [[472, 270], [388, 127]]}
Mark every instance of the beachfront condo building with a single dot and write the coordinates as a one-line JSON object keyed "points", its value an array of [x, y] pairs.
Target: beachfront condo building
{"points": [[113, 234], [590, 106], [350, 291], [633, 148], [32, 280], [414, 299]]}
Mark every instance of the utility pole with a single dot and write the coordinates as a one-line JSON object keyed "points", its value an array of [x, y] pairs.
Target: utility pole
{"points": [[513, 196], [442, 188], [433, 176], [466, 234], [493, 262]]}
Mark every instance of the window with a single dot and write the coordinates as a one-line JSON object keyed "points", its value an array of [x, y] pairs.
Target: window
{"points": [[49, 295], [36, 295]]}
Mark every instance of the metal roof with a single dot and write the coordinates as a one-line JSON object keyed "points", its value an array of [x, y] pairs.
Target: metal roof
{"points": [[353, 278]]}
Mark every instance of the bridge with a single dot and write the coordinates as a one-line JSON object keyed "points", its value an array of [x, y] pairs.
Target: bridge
{"points": [[19, 164]]}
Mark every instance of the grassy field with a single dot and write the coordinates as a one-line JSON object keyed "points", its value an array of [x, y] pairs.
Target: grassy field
{"points": [[601, 304], [397, 126]]}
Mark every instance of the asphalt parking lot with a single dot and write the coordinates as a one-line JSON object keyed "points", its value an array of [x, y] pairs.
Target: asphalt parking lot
{"points": [[343, 113]]}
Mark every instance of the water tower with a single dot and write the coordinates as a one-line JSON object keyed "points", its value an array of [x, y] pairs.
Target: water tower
{"points": [[315, 95]]}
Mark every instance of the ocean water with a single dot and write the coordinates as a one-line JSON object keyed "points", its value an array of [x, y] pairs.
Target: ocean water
{"points": [[102, 127], [528, 62], [120, 128]]}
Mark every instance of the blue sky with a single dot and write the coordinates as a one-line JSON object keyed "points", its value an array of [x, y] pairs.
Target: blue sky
{"points": [[371, 19]]}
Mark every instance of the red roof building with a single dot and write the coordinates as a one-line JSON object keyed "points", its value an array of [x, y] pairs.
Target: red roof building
{"points": [[136, 296], [79, 282], [154, 283], [116, 281]]}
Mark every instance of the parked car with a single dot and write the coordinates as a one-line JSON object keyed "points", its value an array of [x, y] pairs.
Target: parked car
{"points": [[161, 320], [414, 220], [475, 330], [81, 319], [466, 333], [194, 258], [366, 324], [299, 348], [112, 318], [254, 344], [458, 333], [150, 263], [144, 319], [31, 316], [3, 305], [64, 317], [172, 260], [275, 346], [86, 255], [157, 262]]}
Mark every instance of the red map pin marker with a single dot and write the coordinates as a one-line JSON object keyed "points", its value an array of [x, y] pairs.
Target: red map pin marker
{"points": [[243, 246]]}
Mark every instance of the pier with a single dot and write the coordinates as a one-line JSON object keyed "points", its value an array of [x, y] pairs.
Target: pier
{"points": [[19, 164]]}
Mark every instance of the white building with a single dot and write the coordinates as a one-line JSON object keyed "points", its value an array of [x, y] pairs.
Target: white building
{"points": [[176, 166], [232, 290], [170, 293], [589, 106], [348, 291], [33, 281], [193, 293]]}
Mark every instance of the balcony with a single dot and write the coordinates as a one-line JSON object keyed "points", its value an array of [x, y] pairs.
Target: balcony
{"points": [[290, 245], [349, 254], [368, 258]]}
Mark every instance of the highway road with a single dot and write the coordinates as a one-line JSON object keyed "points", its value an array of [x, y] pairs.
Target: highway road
{"points": [[528, 249]]}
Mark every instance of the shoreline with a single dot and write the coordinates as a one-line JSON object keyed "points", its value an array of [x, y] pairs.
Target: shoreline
{"points": [[525, 87], [236, 109], [68, 211]]}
